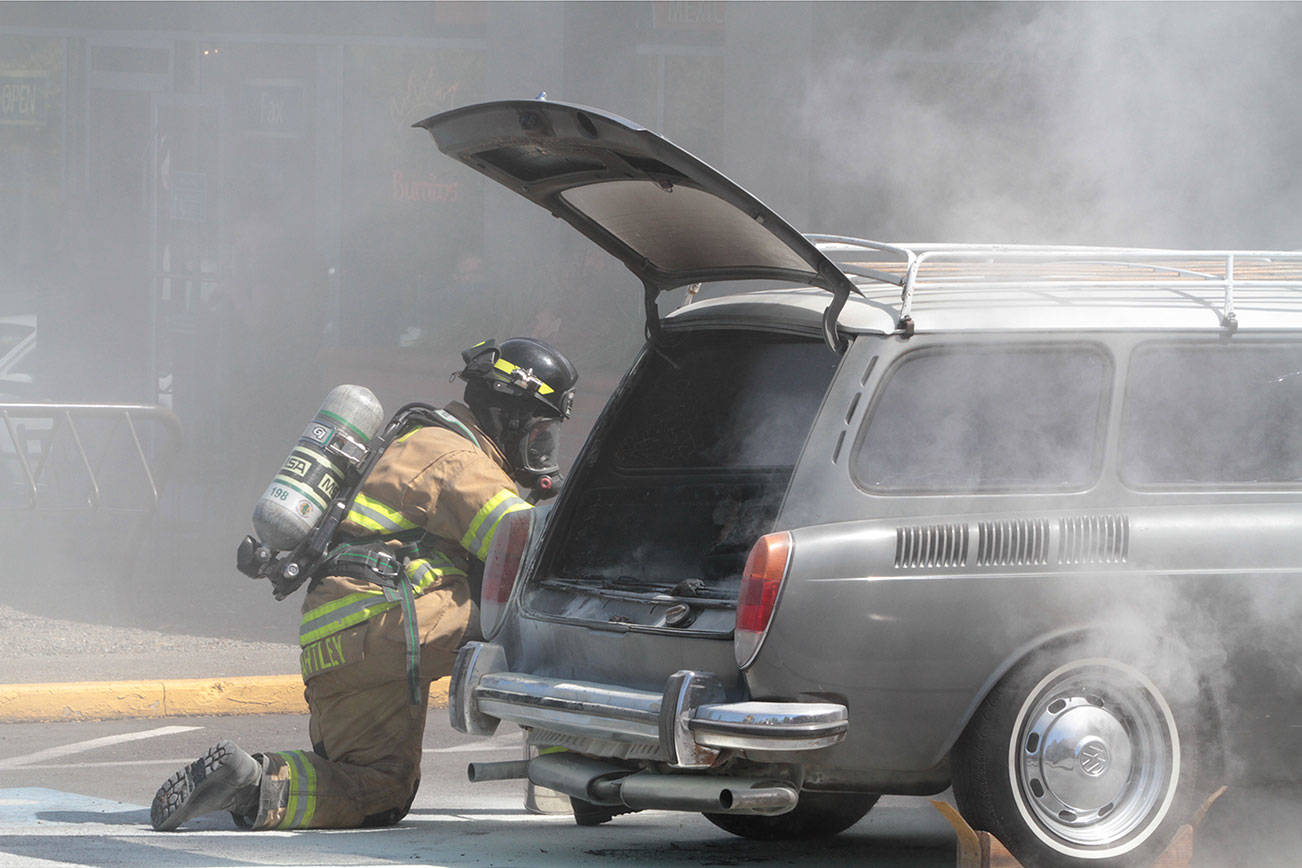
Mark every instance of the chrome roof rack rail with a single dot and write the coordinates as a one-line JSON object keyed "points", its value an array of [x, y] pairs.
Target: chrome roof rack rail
{"points": [[829, 243], [1182, 269]]}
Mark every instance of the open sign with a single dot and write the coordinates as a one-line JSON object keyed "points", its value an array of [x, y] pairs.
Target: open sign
{"points": [[23, 98]]}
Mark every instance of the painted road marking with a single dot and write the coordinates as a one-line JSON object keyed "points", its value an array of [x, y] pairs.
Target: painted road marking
{"points": [[80, 746], [33, 761], [474, 748], [183, 761], [28, 811]]}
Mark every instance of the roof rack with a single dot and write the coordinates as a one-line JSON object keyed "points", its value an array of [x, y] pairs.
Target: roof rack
{"points": [[1054, 267]]}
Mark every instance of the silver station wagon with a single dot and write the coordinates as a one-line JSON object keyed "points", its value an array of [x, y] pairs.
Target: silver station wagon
{"points": [[872, 518]]}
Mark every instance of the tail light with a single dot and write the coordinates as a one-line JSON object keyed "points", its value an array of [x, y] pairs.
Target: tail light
{"points": [[502, 568], [761, 581]]}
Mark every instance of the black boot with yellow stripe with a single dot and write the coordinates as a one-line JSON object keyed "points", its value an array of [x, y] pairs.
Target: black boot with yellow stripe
{"points": [[223, 779]]}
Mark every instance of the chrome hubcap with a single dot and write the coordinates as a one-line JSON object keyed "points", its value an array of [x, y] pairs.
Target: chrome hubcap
{"points": [[1095, 755]]}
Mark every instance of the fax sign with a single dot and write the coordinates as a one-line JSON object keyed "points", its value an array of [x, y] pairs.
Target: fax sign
{"points": [[274, 107]]}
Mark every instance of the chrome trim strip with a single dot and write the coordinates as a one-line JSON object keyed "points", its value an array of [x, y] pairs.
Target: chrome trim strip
{"points": [[633, 716], [767, 730], [578, 707], [762, 726]]}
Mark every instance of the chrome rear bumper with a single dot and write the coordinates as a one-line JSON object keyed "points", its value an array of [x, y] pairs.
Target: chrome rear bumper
{"points": [[686, 724]]}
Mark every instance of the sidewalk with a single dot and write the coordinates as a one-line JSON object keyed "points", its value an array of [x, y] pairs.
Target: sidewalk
{"points": [[52, 670]]}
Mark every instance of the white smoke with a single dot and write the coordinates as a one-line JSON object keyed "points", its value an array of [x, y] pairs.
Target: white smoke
{"points": [[1143, 125]]}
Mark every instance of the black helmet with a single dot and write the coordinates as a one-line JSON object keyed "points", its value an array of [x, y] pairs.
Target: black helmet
{"points": [[520, 392]]}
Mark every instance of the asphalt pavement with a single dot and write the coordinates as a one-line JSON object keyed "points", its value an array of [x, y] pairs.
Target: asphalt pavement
{"points": [[133, 704], [76, 793]]}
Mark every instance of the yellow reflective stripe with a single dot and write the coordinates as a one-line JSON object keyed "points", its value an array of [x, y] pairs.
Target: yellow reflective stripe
{"points": [[310, 808], [376, 516], [423, 573], [468, 540], [362, 520], [291, 802], [327, 608], [301, 802], [309, 633], [492, 530], [352, 609], [510, 368], [484, 525]]}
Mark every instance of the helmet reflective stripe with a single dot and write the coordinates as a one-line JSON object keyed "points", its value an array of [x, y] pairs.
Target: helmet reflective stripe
{"points": [[376, 516], [509, 368], [301, 804], [347, 611], [484, 525]]}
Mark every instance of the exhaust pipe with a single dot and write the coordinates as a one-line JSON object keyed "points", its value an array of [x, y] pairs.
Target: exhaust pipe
{"points": [[604, 783], [503, 771], [708, 795], [579, 776]]}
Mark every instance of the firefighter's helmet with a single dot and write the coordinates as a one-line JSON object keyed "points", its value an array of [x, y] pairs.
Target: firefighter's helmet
{"points": [[520, 391]]}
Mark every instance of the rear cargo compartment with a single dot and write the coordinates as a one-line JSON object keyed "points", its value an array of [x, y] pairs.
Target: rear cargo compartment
{"points": [[687, 471]]}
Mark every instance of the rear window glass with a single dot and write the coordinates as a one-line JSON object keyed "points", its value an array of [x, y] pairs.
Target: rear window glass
{"points": [[986, 419], [723, 400], [1213, 414]]}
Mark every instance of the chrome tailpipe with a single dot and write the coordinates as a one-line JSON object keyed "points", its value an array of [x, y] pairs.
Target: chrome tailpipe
{"points": [[605, 783], [707, 794], [501, 771]]}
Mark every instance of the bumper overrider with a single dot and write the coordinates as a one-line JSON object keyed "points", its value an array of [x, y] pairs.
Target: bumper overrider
{"points": [[686, 726]]}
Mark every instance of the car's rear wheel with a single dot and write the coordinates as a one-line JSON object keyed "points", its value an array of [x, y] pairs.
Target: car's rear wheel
{"points": [[1078, 759], [816, 815]]}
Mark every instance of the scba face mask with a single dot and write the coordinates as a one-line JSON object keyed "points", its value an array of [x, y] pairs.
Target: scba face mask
{"points": [[536, 451]]}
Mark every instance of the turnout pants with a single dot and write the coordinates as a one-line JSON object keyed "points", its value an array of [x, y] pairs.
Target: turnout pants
{"points": [[364, 766]]}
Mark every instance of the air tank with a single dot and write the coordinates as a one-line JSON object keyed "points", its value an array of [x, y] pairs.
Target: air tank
{"points": [[334, 443]]}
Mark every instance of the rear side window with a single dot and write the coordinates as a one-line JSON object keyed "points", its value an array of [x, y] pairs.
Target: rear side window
{"points": [[978, 418], [1213, 414]]}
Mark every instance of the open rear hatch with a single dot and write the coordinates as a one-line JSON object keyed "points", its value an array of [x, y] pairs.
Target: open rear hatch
{"points": [[670, 218], [689, 464]]}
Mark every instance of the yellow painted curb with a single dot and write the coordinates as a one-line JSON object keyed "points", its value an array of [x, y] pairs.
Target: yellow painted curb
{"points": [[181, 697]]}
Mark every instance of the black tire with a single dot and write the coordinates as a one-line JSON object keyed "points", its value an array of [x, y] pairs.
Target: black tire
{"points": [[1078, 758], [816, 815]]}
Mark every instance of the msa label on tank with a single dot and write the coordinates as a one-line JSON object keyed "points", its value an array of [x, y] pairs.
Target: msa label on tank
{"points": [[307, 468], [328, 486], [297, 465]]}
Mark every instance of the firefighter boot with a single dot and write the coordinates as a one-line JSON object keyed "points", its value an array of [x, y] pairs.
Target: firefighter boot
{"points": [[224, 779]]}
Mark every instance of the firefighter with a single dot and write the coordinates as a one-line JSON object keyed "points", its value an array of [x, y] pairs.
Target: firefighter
{"points": [[367, 666]]}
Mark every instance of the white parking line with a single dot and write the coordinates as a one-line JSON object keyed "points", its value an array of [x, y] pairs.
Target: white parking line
{"points": [[33, 761], [80, 746], [104, 765], [475, 748]]}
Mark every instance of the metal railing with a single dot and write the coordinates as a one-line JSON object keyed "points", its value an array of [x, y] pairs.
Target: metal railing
{"points": [[1230, 274], [70, 457]]}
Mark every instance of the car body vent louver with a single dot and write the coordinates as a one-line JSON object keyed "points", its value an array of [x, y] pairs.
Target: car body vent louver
{"points": [[937, 545], [1094, 539], [1012, 543]]}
